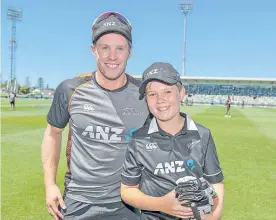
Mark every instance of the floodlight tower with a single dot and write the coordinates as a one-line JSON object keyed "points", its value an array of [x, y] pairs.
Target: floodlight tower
{"points": [[186, 7], [13, 15]]}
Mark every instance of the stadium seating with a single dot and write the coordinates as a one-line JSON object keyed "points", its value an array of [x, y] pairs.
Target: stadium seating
{"points": [[215, 94], [246, 90]]}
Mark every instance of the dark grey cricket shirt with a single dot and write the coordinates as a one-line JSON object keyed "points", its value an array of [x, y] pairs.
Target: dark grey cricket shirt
{"points": [[157, 160], [101, 123]]}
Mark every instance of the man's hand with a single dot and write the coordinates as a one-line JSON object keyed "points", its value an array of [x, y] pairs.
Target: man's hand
{"points": [[53, 196], [173, 207]]}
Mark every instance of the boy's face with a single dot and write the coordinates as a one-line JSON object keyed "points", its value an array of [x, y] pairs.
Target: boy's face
{"points": [[164, 100]]}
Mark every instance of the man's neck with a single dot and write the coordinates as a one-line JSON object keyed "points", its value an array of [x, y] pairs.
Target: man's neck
{"points": [[110, 84], [172, 126]]}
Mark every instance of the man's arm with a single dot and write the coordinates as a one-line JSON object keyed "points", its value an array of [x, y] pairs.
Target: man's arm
{"points": [[50, 153], [167, 203]]}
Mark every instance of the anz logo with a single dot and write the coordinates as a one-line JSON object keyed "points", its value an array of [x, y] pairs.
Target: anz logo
{"points": [[170, 167], [152, 72], [109, 24], [157, 70], [103, 133], [106, 133]]}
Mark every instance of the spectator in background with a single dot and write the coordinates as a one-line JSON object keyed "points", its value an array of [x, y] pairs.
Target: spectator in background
{"points": [[228, 106], [12, 97], [243, 103]]}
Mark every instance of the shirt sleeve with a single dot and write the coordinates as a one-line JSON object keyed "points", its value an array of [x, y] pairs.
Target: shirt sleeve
{"points": [[132, 169], [212, 170], [58, 115]]}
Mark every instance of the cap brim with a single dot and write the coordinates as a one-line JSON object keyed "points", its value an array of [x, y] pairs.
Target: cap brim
{"points": [[142, 88], [111, 31]]}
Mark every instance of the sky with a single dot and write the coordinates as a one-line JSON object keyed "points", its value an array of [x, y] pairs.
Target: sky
{"points": [[234, 38]]}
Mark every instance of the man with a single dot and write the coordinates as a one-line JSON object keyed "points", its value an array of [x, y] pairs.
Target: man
{"points": [[243, 103], [12, 96], [168, 149], [103, 109], [228, 106]]}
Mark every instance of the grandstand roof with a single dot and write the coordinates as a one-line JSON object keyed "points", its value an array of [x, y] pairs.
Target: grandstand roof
{"points": [[231, 78], [226, 80]]}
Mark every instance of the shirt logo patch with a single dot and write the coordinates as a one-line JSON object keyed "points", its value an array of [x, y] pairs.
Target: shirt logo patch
{"points": [[151, 146], [88, 107], [131, 112], [191, 164], [192, 143]]}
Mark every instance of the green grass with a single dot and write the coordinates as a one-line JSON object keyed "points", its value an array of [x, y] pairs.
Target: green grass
{"points": [[247, 152], [23, 195], [246, 144]]}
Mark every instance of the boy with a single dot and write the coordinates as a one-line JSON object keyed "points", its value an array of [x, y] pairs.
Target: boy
{"points": [[167, 149]]}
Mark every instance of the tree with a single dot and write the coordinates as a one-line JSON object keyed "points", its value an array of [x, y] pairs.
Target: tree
{"points": [[4, 85], [24, 89]]}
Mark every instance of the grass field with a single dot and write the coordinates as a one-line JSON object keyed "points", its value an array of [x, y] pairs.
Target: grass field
{"points": [[246, 145]]}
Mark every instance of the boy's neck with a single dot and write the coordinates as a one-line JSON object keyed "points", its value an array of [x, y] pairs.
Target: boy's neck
{"points": [[172, 126]]}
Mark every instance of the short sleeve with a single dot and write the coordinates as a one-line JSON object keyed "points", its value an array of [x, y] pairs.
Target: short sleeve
{"points": [[58, 115], [132, 169], [212, 170]]}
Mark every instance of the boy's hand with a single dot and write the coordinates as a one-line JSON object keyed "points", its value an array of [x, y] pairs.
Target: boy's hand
{"points": [[173, 207]]}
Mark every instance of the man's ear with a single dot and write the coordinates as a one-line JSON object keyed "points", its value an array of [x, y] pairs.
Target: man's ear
{"points": [[182, 93], [130, 52], [94, 50]]}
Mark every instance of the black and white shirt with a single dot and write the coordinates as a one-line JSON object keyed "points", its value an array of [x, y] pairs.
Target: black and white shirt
{"points": [[156, 160]]}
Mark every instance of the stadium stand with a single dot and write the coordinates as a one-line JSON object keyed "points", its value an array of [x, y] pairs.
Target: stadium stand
{"points": [[215, 90], [250, 91], [246, 90]]}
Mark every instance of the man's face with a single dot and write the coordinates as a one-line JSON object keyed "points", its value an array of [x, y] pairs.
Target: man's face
{"points": [[111, 52], [164, 100]]}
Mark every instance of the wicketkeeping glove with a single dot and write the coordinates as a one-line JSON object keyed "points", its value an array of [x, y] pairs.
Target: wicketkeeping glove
{"points": [[198, 193]]}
